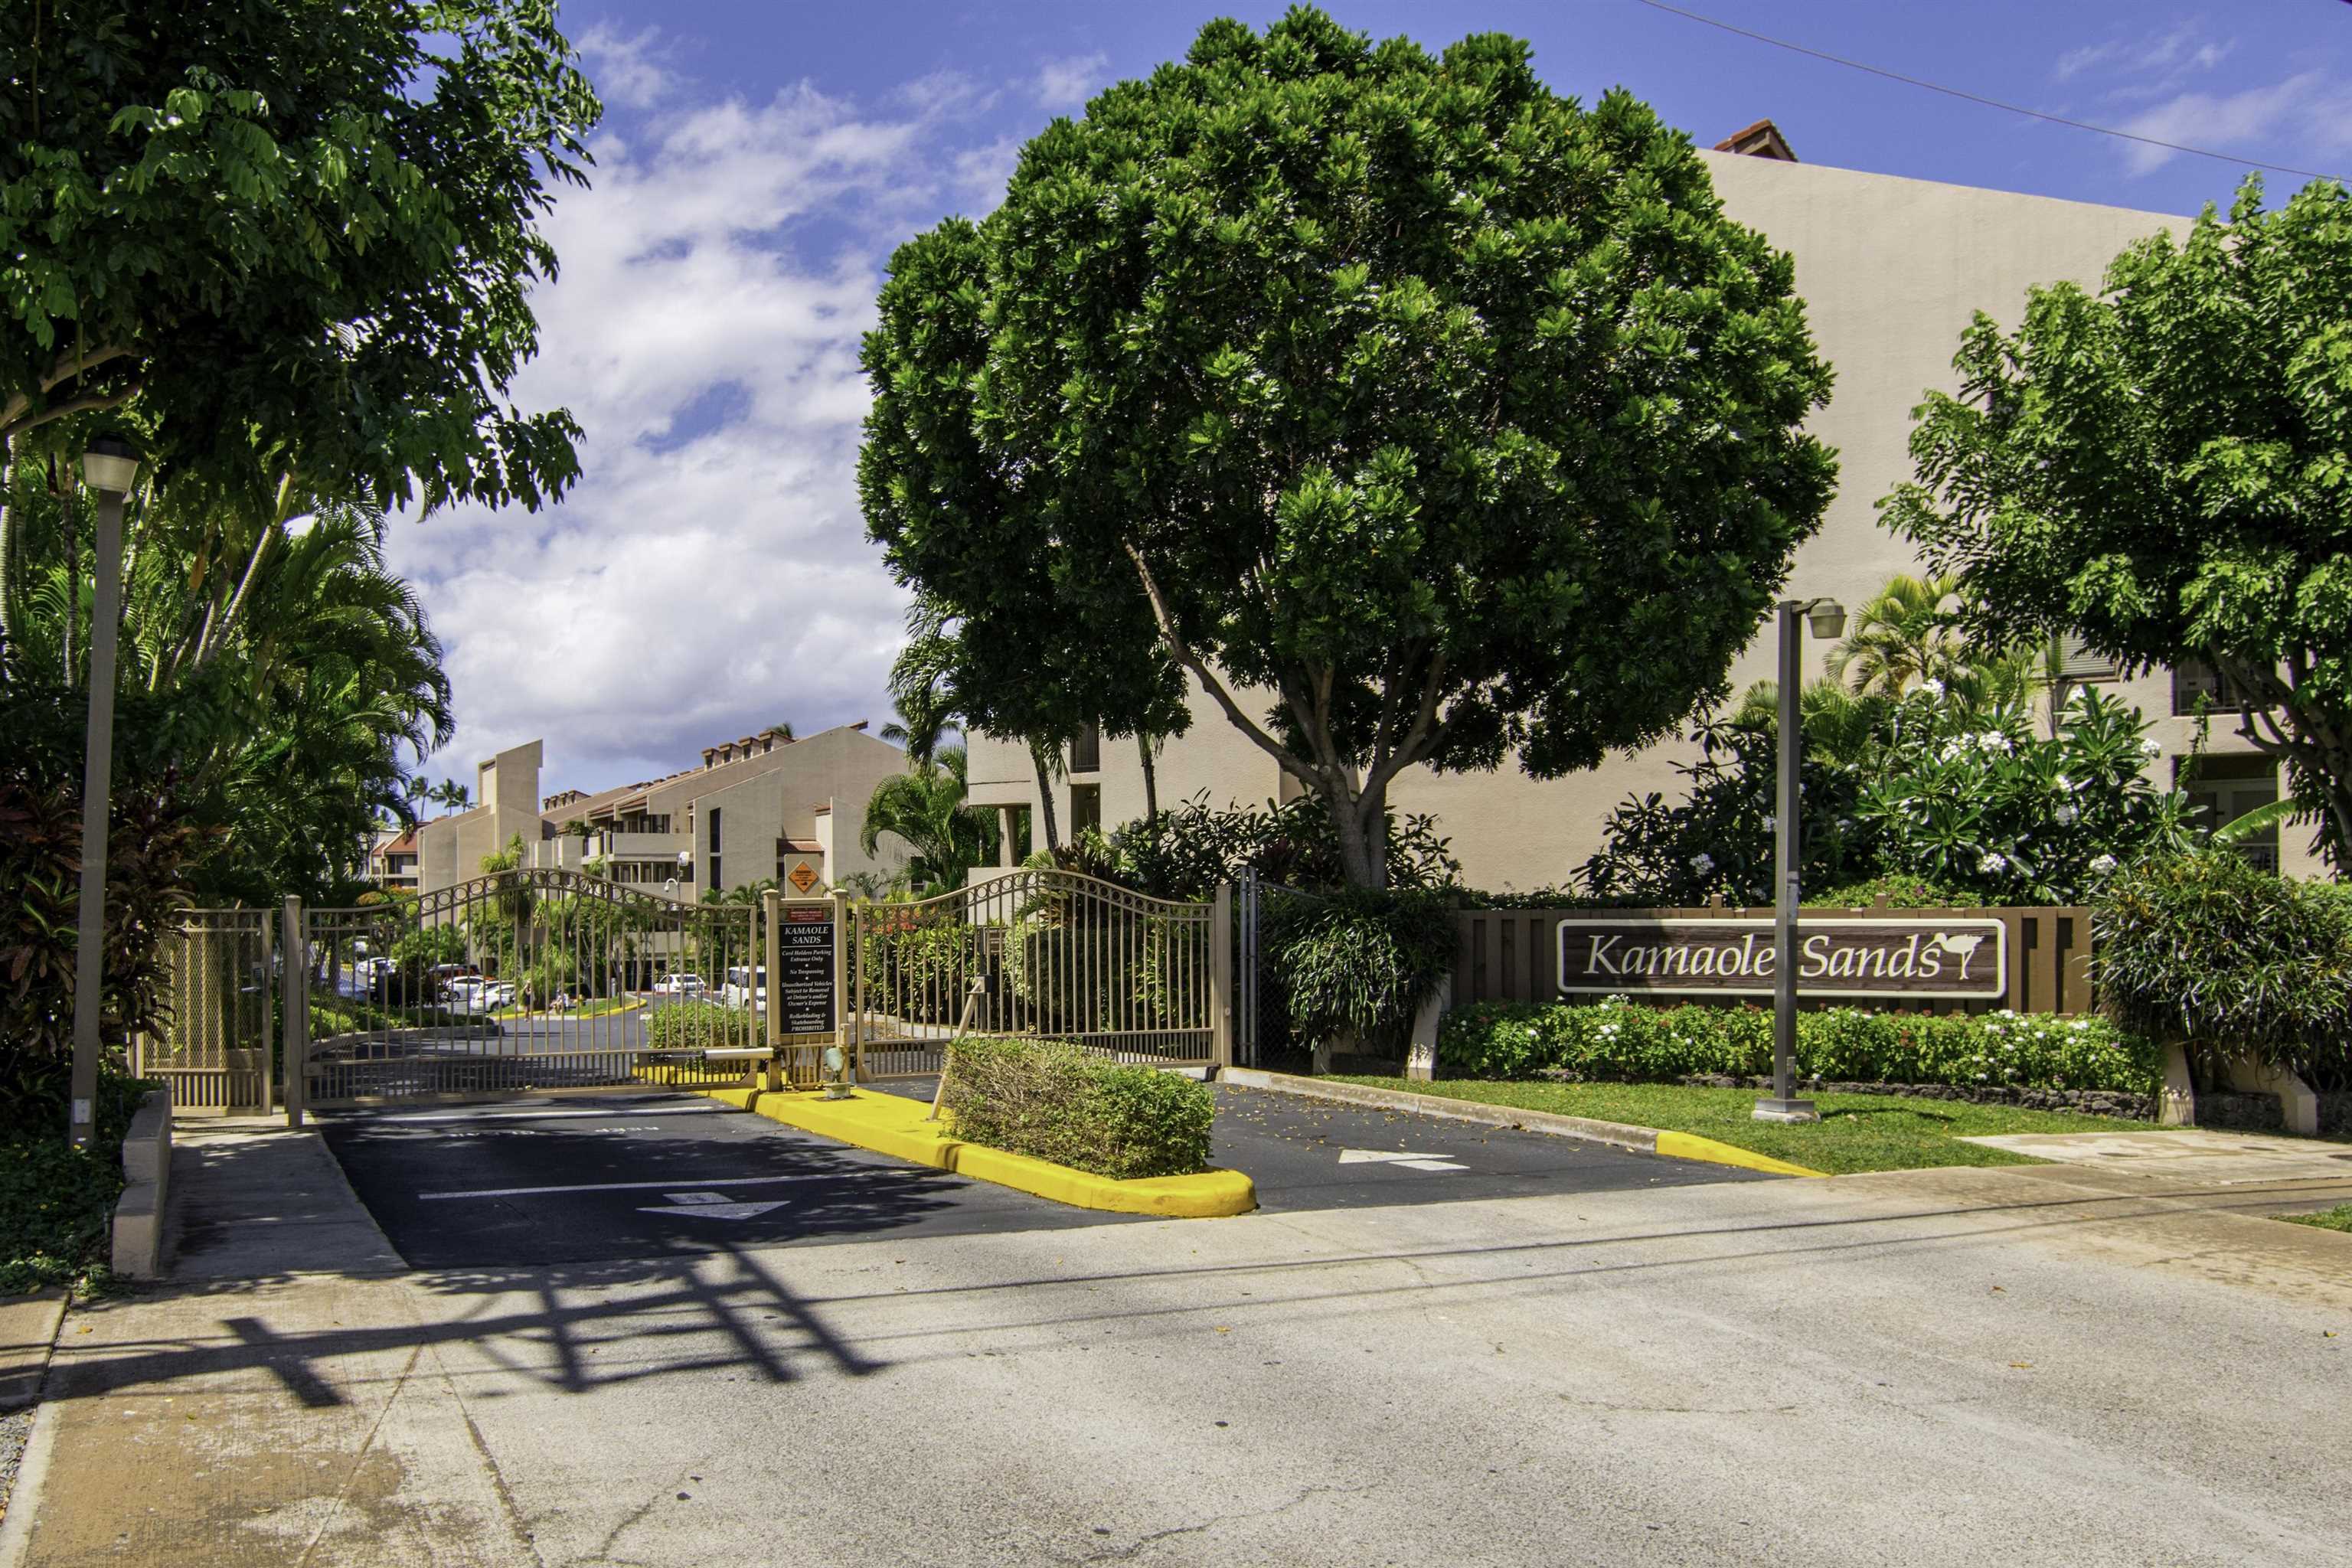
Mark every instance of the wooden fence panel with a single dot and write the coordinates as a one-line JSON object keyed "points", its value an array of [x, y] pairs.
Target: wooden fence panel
{"points": [[1513, 955]]}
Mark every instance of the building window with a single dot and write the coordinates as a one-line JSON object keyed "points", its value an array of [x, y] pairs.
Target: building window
{"points": [[2194, 679], [1085, 750], [1086, 808], [714, 830], [2077, 662], [714, 872], [2222, 789]]}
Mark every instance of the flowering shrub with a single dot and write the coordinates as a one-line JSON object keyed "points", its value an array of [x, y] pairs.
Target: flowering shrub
{"points": [[1619, 1040], [1973, 800]]}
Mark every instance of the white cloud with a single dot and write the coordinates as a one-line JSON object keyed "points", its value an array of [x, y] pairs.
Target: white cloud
{"points": [[1068, 83], [2169, 56], [709, 572], [2313, 108], [625, 69]]}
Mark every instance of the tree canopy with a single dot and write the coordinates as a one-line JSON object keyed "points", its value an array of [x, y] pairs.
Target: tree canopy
{"points": [[1452, 415], [2166, 468], [300, 233]]}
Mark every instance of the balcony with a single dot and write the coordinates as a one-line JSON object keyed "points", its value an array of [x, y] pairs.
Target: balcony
{"points": [[639, 845]]}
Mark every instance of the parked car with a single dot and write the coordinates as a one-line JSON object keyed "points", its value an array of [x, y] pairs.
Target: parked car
{"points": [[679, 985], [746, 986]]}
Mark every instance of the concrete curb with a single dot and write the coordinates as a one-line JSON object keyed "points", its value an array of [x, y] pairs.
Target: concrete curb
{"points": [[25, 1493], [894, 1125], [138, 1238], [1616, 1134], [28, 1337]]}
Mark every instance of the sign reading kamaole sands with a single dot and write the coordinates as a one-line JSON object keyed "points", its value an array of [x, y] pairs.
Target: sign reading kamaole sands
{"points": [[1920, 958]]}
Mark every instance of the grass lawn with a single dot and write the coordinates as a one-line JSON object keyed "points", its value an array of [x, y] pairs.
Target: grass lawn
{"points": [[1856, 1131], [2338, 1218]]}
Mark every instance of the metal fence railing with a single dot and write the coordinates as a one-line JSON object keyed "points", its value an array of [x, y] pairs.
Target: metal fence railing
{"points": [[213, 1049], [1042, 953]]}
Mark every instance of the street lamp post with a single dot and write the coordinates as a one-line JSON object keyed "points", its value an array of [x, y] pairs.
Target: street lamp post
{"points": [[1828, 618], [108, 466]]}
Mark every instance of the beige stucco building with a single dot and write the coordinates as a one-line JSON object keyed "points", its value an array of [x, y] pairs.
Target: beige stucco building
{"points": [[757, 808], [1891, 270]]}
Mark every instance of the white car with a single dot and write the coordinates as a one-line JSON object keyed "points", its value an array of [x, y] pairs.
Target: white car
{"points": [[746, 986], [679, 985]]}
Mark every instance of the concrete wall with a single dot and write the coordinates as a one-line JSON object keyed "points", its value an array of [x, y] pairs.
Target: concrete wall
{"points": [[1891, 271]]}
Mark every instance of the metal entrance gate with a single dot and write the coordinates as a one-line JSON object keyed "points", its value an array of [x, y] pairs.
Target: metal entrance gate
{"points": [[1049, 954], [220, 1006], [518, 981]]}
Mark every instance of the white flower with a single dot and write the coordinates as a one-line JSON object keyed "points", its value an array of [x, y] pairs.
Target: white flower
{"points": [[1932, 687], [2065, 783], [1769, 823], [1993, 864], [1846, 824], [2151, 747], [1994, 740], [1703, 863], [2064, 816], [2102, 864]]}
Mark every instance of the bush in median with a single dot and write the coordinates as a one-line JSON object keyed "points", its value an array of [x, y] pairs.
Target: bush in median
{"points": [[1055, 1101], [690, 1025], [1621, 1041]]}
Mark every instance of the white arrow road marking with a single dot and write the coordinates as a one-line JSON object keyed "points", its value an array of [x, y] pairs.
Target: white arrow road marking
{"points": [[712, 1205], [1388, 1157]]}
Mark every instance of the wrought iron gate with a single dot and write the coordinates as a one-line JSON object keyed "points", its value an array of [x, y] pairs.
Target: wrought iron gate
{"points": [[519, 980], [1051, 954], [220, 990]]}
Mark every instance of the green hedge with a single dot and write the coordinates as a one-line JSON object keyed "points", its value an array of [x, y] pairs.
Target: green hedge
{"points": [[57, 1202], [690, 1025], [1056, 1101], [1631, 1043]]}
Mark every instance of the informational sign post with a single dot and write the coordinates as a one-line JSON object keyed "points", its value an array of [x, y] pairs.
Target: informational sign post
{"points": [[1892, 958], [806, 956]]}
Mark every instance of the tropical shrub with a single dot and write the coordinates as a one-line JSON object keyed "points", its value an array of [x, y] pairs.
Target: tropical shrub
{"points": [[1617, 1041], [149, 846], [57, 1202], [1053, 1101], [1975, 801], [2228, 959], [690, 1023], [1357, 965], [1186, 852], [1718, 839]]}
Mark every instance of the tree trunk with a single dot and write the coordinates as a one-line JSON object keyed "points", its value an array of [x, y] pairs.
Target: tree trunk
{"points": [[1150, 776], [1045, 797], [1363, 824]]}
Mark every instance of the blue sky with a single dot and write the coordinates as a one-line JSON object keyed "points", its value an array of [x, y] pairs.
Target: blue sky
{"points": [[758, 161]]}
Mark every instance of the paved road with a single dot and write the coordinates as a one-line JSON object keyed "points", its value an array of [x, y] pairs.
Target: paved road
{"points": [[2055, 1365], [579, 1180]]}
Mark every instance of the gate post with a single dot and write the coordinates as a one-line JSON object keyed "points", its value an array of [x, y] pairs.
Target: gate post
{"points": [[842, 952], [1221, 977], [294, 1012], [771, 958]]}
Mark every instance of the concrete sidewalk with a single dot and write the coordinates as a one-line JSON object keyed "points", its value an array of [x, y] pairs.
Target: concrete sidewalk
{"points": [[2059, 1364]]}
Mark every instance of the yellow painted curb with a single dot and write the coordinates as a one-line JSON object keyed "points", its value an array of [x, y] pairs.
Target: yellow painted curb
{"points": [[895, 1125], [1691, 1146]]}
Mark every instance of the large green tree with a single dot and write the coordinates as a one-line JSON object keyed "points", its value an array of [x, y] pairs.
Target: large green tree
{"points": [[2166, 467], [293, 236], [1454, 416]]}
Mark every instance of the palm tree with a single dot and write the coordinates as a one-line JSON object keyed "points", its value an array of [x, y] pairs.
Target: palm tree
{"points": [[781, 731], [925, 808], [291, 668], [1838, 726], [1904, 633]]}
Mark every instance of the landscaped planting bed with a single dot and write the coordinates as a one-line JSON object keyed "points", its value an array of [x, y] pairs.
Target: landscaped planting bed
{"points": [[1053, 1101], [1997, 1056]]}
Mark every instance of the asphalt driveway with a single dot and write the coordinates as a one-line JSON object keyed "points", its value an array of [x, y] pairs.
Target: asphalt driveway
{"points": [[556, 1180]]}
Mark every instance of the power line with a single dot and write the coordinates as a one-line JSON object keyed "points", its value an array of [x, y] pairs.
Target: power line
{"points": [[1988, 102]]}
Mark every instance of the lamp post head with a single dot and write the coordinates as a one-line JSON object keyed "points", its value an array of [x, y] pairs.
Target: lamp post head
{"points": [[1827, 617], [110, 464]]}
